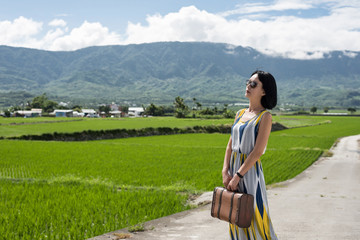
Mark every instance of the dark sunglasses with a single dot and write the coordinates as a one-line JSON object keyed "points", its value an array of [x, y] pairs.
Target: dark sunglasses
{"points": [[251, 83]]}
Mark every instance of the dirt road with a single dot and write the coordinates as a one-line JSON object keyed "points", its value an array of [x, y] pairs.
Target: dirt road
{"points": [[321, 203]]}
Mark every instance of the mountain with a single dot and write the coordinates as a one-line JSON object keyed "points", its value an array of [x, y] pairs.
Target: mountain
{"points": [[158, 72]]}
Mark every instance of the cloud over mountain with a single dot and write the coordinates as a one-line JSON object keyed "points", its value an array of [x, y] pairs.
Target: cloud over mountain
{"points": [[286, 28]]}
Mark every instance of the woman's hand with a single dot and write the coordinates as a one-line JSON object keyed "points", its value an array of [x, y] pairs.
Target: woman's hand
{"points": [[226, 178], [233, 184]]}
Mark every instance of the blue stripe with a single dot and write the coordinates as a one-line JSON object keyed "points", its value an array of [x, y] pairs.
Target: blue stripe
{"points": [[257, 168], [248, 235], [245, 190], [265, 234], [241, 130], [231, 233], [237, 232], [259, 201]]}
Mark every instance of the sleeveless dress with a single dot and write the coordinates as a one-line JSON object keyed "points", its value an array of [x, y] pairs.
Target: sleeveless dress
{"points": [[243, 135]]}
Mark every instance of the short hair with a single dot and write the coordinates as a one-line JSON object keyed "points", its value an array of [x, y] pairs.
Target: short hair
{"points": [[269, 100]]}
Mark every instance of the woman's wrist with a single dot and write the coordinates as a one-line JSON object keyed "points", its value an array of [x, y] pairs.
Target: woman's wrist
{"points": [[239, 175]]}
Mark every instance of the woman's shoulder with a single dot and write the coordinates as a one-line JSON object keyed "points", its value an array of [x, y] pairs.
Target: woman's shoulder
{"points": [[240, 111], [266, 117]]}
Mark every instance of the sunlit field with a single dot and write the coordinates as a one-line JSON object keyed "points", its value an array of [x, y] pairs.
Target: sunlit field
{"points": [[77, 190]]}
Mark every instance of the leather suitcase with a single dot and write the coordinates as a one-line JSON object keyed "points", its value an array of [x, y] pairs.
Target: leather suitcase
{"points": [[233, 207]]}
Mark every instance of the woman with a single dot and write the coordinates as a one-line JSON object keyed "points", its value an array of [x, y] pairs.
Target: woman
{"points": [[242, 168]]}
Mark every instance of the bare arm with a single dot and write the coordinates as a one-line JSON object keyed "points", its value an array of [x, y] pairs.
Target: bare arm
{"points": [[226, 166], [225, 171], [261, 141]]}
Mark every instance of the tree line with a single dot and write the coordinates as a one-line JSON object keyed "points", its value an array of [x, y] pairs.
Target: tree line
{"points": [[181, 110]]}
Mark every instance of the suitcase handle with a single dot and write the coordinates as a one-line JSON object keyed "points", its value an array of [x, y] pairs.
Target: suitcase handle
{"points": [[231, 206]]}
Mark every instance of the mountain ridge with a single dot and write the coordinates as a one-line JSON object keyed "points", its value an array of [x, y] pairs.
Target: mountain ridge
{"points": [[158, 72]]}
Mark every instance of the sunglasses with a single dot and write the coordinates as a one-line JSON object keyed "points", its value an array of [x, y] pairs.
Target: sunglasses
{"points": [[251, 83]]}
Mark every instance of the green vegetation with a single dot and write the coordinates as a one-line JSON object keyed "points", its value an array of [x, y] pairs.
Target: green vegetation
{"points": [[77, 190], [72, 210], [11, 127], [211, 72], [7, 130]]}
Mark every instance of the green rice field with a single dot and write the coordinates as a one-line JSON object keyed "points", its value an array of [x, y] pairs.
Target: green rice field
{"points": [[10, 127], [77, 190], [26, 126]]}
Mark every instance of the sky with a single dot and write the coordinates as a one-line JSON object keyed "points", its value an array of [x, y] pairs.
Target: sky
{"points": [[300, 29]]}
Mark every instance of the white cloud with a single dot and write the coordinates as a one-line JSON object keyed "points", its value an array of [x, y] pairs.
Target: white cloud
{"points": [[19, 32], [57, 23], [26, 33], [88, 34], [280, 5], [285, 35], [189, 24]]}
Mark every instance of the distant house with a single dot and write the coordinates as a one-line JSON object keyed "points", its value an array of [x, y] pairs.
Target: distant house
{"points": [[89, 113], [77, 114], [135, 111], [36, 112], [116, 113], [32, 113], [114, 107], [63, 113]]}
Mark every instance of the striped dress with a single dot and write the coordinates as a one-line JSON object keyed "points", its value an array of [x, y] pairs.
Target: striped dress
{"points": [[243, 135]]}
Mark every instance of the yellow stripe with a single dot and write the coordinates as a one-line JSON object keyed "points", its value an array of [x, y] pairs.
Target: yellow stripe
{"points": [[245, 231], [263, 223], [253, 229], [240, 114], [266, 224], [259, 223]]}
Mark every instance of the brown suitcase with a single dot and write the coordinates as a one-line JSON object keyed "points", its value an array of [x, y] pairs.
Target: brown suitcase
{"points": [[233, 207]]}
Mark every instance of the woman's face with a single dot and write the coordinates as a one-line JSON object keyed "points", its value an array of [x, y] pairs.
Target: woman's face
{"points": [[254, 89]]}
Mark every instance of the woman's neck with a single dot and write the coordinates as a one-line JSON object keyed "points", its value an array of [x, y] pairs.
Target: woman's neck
{"points": [[255, 107]]}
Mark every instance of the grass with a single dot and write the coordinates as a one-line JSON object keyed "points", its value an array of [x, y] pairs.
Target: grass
{"points": [[25, 126], [71, 210], [7, 130], [76, 190]]}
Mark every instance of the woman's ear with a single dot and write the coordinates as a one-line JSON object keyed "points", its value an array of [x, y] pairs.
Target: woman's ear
{"points": [[263, 93]]}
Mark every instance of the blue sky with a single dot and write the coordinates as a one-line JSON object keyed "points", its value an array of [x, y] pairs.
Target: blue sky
{"points": [[291, 28]]}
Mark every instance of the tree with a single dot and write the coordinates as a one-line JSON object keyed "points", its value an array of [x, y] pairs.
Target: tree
{"points": [[49, 106], [207, 111], [313, 110], [105, 108], [198, 105], [39, 101], [124, 109], [351, 110], [180, 108], [154, 110], [44, 103], [326, 109], [194, 101], [7, 113], [228, 113]]}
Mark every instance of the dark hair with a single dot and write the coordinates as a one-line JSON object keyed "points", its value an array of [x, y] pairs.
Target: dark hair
{"points": [[269, 100]]}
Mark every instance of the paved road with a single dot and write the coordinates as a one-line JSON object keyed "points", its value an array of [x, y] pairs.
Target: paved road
{"points": [[321, 203]]}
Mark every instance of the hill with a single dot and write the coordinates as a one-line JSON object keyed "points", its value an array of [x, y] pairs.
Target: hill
{"points": [[158, 72]]}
